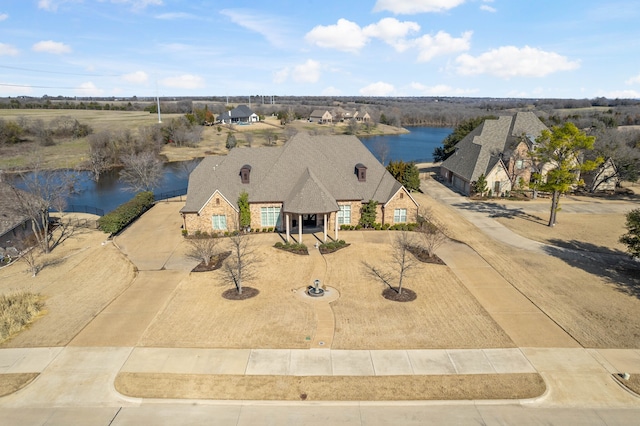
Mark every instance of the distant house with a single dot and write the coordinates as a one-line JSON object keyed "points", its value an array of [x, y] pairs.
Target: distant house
{"points": [[241, 114], [363, 116], [321, 116], [497, 149], [313, 183]]}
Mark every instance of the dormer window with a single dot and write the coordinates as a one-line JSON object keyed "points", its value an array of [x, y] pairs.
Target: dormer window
{"points": [[361, 172], [245, 172]]}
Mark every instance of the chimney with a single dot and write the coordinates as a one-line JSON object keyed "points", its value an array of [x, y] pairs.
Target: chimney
{"points": [[245, 173], [361, 172]]}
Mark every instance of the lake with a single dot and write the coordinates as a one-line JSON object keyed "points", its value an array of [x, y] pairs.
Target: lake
{"points": [[108, 193], [416, 146]]}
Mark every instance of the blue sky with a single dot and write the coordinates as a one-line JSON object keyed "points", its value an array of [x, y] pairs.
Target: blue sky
{"points": [[479, 48]]}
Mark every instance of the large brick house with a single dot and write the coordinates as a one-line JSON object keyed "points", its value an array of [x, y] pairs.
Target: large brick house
{"points": [[312, 183], [497, 149]]}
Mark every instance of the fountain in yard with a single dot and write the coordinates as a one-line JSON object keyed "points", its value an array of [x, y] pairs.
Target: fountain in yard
{"points": [[315, 290]]}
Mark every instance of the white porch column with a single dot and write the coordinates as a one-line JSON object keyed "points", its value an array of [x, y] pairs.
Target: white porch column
{"points": [[325, 227], [336, 213], [286, 224], [299, 229]]}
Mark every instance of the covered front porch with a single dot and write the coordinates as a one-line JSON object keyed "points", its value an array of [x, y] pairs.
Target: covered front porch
{"points": [[309, 223]]}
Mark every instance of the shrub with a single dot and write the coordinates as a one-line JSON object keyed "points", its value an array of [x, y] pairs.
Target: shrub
{"points": [[332, 246], [185, 233], [16, 311], [123, 215], [297, 248]]}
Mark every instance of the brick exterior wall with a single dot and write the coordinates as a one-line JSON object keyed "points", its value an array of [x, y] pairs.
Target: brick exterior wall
{"points": [[256, 215], [401, 200], [216, 206]]}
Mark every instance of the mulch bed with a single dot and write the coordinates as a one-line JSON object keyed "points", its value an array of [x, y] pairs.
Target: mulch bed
{"points": [[247, 293], [324, 250], [423, 256], [214, 263], [407, 294]]}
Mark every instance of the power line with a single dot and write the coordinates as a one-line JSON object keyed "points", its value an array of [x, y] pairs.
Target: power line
{"points": [[39, 87], [58, 72]]}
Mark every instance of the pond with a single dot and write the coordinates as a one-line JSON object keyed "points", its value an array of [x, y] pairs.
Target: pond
{"points": [[416, 146]]}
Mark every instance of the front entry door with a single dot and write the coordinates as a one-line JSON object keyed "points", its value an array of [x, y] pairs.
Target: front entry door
{"points": [[309, 220]]}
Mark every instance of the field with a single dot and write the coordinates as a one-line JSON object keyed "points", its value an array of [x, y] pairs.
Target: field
{"points": [[74, 153]]}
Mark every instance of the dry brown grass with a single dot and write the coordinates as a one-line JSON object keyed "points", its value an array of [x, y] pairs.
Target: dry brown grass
{"points": [[595, 304], [331, 388], [80, 278], [444, 315], [10, 383], [597, 230], [17, 310]]}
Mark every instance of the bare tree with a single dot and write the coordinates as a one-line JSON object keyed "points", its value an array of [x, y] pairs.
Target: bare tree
{"points": [[381, 150], [431, 232], [248, 137], [29, 257], [100, 156], [141, 171], [203, 248], [240, 265], [45, 191], [401, 265]]}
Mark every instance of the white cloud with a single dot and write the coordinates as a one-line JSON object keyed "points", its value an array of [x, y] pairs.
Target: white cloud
{"points": [[176, 15], [621, 94], [50, 46], [346, 36], [268, 27], [8, 50], [409, 7], [137, 77], [185, 81], [392, 32], [488, 8], [137, 4], [441, 44], [634, 80], [281, 76], [3, 17], [510, 61], [309, 72], [331, 91], [440, 90], [378, 89], [52, 5], [89, 89]]}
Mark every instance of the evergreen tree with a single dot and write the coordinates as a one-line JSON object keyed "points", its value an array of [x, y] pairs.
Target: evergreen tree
{"points": [[632, 238], [368, 214], [245, 211]]}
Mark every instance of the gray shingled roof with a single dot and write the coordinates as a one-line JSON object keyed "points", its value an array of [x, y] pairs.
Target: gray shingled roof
{"points": [[308, 173], [241, 111], [479, 151]]}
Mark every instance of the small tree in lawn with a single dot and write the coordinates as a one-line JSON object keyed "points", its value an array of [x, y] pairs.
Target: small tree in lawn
{"points": [[431, 232], [401, 265], [480, 186], [203, 248], [632, 238], [368, 214], [240, 266], [563, 149], [245, 211]]}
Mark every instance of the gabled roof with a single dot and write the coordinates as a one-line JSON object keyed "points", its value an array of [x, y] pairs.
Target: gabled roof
{"points": [[479, 151], [308, 173], [241, 111], [319, 113]]}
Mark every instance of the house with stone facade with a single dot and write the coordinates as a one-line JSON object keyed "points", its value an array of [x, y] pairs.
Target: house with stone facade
{"points": [[310, 184], [499, 150]]}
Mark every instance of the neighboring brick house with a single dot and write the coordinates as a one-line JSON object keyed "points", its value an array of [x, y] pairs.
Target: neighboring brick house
{"points": [[321, 116], [311, 183], [497, 149]]}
